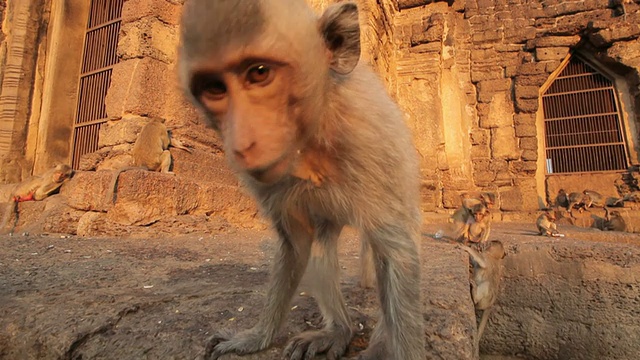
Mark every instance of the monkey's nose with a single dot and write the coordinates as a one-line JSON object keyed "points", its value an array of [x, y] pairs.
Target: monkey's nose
{"points": [[243, 153]]}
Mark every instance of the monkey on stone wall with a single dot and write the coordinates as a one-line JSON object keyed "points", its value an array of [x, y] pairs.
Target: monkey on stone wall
{"points": [[614, 221], [546, 224], [320, 144], [486, 279], [150, 152], [35, 188]]}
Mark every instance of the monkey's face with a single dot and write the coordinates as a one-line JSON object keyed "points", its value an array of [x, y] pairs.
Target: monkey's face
{"points": [[251, 104], [261, 76]]}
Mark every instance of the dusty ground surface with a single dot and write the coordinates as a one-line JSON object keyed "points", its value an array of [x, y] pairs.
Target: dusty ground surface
{"points": [[67, 297]]}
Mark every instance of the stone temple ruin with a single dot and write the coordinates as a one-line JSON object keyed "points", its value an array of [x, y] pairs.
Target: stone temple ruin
{"points": [[517, 97]]}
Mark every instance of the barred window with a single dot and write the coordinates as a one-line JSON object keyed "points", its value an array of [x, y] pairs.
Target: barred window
{"points": [[99, 56], [583, 128]]}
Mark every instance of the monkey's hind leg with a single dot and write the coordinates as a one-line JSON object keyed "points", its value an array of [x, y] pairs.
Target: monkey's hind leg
{"points": [[324, 271], [399, 334], [290, 261], [165, 162]]}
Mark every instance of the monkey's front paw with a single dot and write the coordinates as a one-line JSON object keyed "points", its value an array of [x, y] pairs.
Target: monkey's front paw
{"points": [[306, 345], [242, 343]]}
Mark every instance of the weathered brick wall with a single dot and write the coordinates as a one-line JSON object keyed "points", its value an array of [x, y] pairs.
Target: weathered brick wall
{"points": [[469, 74], [466, 73]]}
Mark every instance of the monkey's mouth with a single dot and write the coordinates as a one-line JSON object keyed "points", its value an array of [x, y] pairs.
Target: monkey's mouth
{"points": [[273, 172]]}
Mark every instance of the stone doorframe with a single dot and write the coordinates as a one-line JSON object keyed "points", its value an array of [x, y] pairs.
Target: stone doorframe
{"points": [[59, 87]]}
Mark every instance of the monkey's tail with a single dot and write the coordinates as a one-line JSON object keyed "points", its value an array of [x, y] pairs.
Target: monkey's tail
{"points": [[112, 190], [483, 324]]}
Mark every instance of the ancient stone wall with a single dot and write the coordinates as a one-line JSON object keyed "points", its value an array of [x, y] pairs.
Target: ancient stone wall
{"points": [[469, 75]]}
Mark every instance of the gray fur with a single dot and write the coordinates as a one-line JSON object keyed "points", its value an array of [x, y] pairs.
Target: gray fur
{"points": [[345, 110]]}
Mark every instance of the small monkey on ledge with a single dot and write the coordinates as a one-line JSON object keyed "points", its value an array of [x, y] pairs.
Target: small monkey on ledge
{"points": [[321, 145], [150, 152], [35, 188]]}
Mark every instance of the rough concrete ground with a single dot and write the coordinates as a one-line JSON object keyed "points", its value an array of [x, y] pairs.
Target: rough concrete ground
{"points": [[122, 298], [118, 298]]}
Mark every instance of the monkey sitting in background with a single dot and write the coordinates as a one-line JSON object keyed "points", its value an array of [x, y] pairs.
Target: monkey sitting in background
{"points": [[150, 152], [614, 221], [486, 279], [546, 224], [320, 144], [35, 188], [562, 199]]}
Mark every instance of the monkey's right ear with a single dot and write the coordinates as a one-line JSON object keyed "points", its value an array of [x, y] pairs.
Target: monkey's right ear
{"points": [[341, 31]]}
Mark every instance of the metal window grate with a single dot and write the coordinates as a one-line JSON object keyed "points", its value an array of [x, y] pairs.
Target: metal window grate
{"points": [[98, 57], [582, 124]]}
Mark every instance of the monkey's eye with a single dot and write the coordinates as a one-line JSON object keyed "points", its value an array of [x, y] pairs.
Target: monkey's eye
{"points": [[213, 90], [259, 74]]}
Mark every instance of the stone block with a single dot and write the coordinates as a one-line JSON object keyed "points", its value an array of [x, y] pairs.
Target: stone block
{"points": [[551, 53], [479, 136], [121, 131], [203, 166], [527, 92], [480, 152], [484, 178], [144, 197], [230, 202], [525, 130], [148, 37], [532, 68], [503, 178], [523, 166], [486, 72], [487, 89], [517, 35], [527, 105], [531, 80], [511, 199], [498, 165], [500, 112], [504, 144], [524, 119], [529, 155], [484, 56], [617, 32], [87, 190], [167, 11], [150, 87], [529, 143], [487, 36], [553, 41]]}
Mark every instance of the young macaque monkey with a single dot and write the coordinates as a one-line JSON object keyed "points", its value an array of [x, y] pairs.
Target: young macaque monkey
{"points": [[593, 198], [578, 200], [486, 278], [35, 188], [472, 224], [320, 144], [562, 199], [546, 224], [614, 221], [150, 152]]}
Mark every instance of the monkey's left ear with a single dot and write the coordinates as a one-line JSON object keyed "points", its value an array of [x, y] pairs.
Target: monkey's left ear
{"points": [[341, 31]]}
